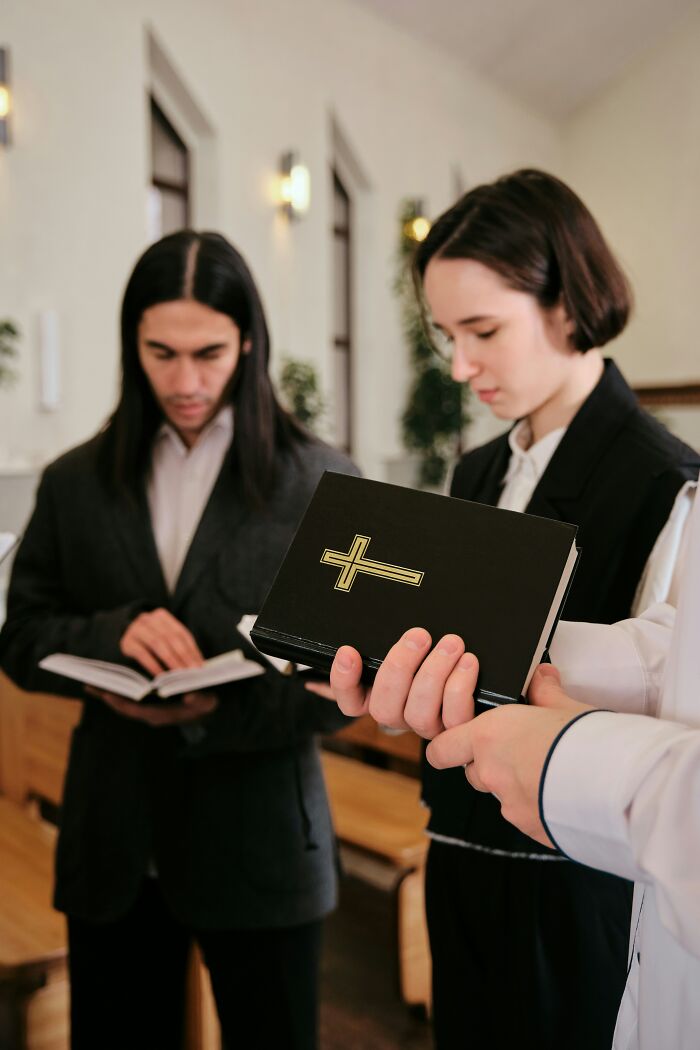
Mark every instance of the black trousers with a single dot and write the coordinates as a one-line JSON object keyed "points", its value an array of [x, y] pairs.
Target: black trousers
{"points": [[128, 981], [526, 953]]}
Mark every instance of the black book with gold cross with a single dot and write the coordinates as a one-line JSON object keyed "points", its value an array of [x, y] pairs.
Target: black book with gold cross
{"points": [[370, 560]]}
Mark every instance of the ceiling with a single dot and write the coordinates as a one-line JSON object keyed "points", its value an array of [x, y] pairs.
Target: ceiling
{"points": [[552, 54]]}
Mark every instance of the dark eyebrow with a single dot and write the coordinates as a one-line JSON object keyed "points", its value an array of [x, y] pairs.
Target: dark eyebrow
{"points": [[476, 319], [203, 350]]}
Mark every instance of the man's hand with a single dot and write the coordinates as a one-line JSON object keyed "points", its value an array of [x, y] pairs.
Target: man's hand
{"points": [[321, 688], [159, 642], [504, 750], [414, 688], [189, 709]]}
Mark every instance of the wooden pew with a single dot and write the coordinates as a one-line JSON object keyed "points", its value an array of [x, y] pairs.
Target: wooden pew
{"points": [[33, 981], [35, 733], [379, 813], [365, 735]]}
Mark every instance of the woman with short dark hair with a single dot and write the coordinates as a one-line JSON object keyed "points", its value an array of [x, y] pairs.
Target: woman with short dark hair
{"points": [[522, 291]]}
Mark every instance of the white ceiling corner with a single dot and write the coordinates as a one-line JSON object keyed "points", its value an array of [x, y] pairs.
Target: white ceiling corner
{"points": [[554, 55]]}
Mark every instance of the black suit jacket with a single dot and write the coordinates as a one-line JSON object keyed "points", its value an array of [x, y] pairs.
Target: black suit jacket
{"points": [[615, 474], [237, 823]]}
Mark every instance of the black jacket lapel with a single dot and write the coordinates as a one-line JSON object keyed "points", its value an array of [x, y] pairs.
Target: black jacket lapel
{"points": [[479, 476], [132, 521], [588, 436]]}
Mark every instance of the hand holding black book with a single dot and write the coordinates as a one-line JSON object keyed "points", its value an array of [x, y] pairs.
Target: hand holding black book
{"points": [[371, 560]]}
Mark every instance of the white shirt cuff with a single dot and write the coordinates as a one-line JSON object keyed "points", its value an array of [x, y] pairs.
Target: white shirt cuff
{"points": [[589, 784], [618, 666]]}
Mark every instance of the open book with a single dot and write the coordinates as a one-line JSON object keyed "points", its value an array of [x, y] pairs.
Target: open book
{"points": [[228, 667]]}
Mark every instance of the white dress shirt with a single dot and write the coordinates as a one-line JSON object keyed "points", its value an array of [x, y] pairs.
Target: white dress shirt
{"points": [[179, 486], [528, 462], [622, 793]]}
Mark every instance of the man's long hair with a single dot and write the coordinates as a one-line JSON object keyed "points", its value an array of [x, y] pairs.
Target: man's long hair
{"points": [[206, 268]]}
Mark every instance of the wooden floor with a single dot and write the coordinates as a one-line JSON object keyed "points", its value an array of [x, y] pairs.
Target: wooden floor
{"points": [[360, 1007]]}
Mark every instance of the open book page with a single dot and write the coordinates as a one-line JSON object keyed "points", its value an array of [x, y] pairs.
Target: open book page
{"points": [[228, 667], [7, 543], [115, 678], [103, 675]]}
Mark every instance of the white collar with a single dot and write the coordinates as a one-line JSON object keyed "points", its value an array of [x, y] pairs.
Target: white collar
{"points": [[222, 421], [532, 460]]}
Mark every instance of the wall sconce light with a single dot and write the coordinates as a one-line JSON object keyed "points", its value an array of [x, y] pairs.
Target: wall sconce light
{"points": [[5, 97], [416, 227], [293, 186]]}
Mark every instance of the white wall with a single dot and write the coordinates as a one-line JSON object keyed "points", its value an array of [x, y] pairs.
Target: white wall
{"points": [[633, 154], [267, 77], [71, 205]]}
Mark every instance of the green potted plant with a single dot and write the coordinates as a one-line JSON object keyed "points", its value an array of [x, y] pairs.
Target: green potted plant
{"points": [[301, 391], [9, 334]]}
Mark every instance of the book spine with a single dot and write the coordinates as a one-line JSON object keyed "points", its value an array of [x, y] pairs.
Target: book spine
{"points": [[304, 651]]}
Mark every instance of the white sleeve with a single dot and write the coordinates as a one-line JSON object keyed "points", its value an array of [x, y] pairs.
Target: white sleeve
{"points": [[618, 666], [622, 793], [661, 578]]}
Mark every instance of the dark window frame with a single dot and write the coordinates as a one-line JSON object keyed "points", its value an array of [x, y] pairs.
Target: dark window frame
{"points": [[345, 342], [668, 395], [178, 188]]}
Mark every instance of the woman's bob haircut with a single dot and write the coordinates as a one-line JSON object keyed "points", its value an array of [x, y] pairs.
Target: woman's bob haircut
{"points": [[204, 267], [532, 230]]}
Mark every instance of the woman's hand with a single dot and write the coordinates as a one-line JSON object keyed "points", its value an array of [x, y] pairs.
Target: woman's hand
{"points": [[189, 709], [415, 688]]}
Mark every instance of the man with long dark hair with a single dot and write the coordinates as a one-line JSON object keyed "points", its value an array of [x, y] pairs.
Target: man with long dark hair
{"points": [[205, 818]]}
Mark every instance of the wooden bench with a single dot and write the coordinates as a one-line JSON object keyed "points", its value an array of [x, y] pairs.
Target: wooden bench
{"points": [[35, 734], [34, 738], [379, 813], [33, 980]]}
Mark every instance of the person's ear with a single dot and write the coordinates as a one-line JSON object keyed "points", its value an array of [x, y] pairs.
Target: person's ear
{"points": [[247, 346], [563, 325]]}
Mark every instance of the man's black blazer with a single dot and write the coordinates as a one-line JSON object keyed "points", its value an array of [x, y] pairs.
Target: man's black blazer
{"points": [[615, 474], [238, 823]]}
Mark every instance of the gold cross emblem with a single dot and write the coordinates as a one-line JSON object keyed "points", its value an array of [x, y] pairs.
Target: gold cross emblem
{"points": [[355, 562]]}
